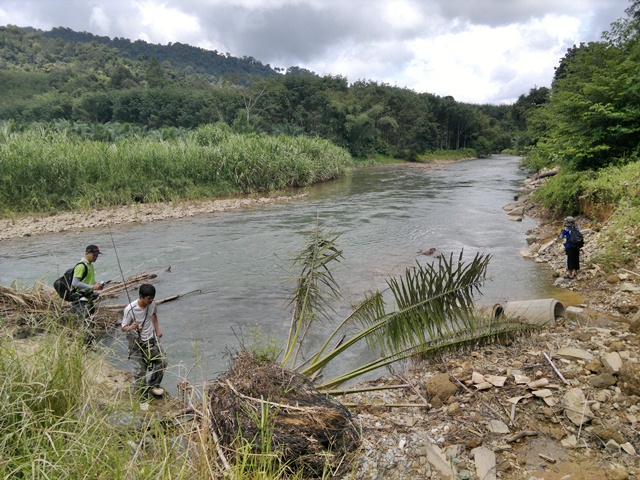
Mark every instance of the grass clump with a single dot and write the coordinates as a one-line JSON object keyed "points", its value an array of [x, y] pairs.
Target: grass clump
{"points": [[55, 424], [460, 154], [49, 169]]}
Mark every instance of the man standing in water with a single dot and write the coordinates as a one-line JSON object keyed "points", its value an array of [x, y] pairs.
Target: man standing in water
{"points": [[140, 322]]}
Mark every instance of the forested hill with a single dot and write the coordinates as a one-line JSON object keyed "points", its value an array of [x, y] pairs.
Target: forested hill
{"points": [[62, 75], [193, 59]]}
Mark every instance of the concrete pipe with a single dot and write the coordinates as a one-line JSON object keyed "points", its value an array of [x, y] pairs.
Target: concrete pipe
{"points": [[537, 312], [494, 311]]}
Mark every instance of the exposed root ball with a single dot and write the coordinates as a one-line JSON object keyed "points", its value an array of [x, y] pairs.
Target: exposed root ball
{"points": [[309, 428]]}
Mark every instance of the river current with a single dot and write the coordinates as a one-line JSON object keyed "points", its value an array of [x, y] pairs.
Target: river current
{"points": [[384, 216]]}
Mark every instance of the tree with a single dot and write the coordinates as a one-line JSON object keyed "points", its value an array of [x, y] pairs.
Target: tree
{"points": [[154, 74], [593, 117]]}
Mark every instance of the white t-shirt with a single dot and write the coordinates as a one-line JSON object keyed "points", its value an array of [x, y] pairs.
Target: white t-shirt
{"points": [[142, 316]]}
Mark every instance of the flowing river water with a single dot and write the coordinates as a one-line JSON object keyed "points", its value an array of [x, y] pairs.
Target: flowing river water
{"points": [[385, 216]]}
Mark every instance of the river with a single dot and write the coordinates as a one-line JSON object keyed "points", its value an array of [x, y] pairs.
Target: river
{"points": [[384, 216]]}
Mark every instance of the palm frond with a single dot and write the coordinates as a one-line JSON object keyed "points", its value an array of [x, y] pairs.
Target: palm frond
{"points": [[432, 300], [315, 288], [433, 311], [453, 342]]}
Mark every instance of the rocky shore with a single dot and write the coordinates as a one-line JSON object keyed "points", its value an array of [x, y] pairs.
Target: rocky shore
{"points": [[562, 403], [31, 225]]}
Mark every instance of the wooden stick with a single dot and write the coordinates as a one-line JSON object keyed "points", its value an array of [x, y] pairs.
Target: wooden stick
{"points": [[547, 458], [555, 368], [364, 389], [629, 271], [517, 436]]}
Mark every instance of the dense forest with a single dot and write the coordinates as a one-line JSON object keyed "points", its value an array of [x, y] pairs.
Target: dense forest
{"points": [[590, 124], [79, 77]]}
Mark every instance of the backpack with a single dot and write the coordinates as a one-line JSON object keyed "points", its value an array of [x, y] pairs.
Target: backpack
{"points": [[63, 284], [575, 238]]}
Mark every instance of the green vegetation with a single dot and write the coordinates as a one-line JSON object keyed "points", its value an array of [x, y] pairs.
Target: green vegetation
{"points": [[460, 154], [54, 426], [51, 169], [79, 77], [589, 126], [58, 422]]}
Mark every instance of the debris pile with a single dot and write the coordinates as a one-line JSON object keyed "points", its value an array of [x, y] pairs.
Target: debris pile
{"points": [[310, 430]]}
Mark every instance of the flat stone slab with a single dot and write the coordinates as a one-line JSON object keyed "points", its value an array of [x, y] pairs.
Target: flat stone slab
{"points": [[574, 353]]}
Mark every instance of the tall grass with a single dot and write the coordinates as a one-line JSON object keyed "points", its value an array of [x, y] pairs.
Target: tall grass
{"points": [[57, 423], [50, 169]]}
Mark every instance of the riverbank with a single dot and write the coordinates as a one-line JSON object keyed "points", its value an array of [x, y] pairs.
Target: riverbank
{"points": [[561, 403], [507, 410], [32, 225]]}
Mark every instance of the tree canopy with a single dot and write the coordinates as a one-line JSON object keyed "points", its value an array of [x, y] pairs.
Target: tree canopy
{"points": [[80, 77]]}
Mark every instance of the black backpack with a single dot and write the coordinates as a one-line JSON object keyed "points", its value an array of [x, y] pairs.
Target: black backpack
{"points": [[575, 238], [63, 284]]}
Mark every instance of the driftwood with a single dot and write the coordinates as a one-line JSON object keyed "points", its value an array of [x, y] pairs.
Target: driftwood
{"points": [[27, 308], [548, 173], [308, 429]]}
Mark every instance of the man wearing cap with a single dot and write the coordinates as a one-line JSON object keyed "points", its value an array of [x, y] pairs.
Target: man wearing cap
{"points": [[84, 286], [572, 252]]}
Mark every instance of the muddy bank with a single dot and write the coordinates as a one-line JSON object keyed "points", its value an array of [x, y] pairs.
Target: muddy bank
{"points": [[31, 225]]}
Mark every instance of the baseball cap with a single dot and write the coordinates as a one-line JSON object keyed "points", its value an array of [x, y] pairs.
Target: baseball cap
{"points": [[93, 249]]}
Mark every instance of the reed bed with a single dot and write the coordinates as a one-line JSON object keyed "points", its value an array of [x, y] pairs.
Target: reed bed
{"points": [[47, 170]]}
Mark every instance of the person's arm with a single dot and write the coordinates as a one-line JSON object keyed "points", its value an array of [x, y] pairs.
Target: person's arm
{"points": [[127, 324], [156, 326], [79, 273]]}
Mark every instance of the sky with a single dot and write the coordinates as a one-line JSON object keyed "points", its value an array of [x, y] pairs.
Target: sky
{"points": [[478, 51]]}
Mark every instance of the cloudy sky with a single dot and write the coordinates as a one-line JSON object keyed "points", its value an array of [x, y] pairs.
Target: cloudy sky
{"points": [[478, 51]]}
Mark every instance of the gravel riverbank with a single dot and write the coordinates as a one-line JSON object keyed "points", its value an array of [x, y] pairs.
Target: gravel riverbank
{"points": [[562, 403]]}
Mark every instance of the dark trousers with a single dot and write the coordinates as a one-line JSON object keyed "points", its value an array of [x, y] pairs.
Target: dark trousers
{"points": [[84, 309], [573, 258], [147, 356]]}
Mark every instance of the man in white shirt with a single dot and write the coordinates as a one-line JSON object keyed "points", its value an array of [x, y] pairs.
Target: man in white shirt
{"points": [[140, 322]]}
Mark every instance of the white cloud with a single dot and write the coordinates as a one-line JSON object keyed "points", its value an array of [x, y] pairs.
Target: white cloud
{"points": [[162, 24], [100, 19]]}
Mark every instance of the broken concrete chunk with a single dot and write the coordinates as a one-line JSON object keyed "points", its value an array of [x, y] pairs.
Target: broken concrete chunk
{"points": [[545, 392], [575, 407], [541, 382], [495, 380], [484, 386], [612, 362], [574, 353], [627, 447], [521, 379], [485, 461], [496, 426], [439, 461]]}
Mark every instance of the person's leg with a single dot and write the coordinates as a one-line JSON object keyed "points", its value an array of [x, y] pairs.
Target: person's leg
{"points": [[83, 309], [573, 255], [139, 359], [158, 365]]}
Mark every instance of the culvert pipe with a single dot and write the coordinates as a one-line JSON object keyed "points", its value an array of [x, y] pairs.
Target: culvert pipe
{"points": [[494, 311], [537, 312]]}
